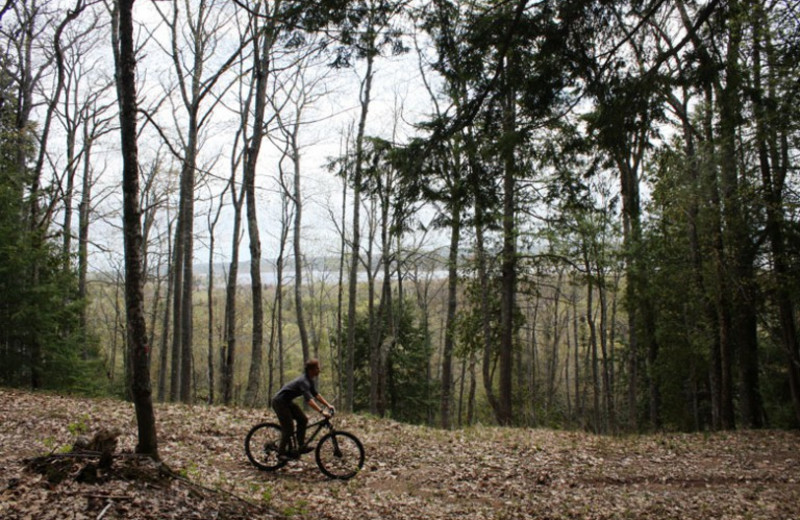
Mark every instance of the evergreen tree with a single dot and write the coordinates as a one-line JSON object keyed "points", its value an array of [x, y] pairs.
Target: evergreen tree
{"points": [[41, 344]]}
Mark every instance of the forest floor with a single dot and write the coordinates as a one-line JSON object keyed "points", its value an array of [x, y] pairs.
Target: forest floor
{"points": [[411, 472]]}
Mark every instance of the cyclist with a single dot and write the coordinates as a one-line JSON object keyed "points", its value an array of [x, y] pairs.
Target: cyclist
{"points": [[288, 411]]}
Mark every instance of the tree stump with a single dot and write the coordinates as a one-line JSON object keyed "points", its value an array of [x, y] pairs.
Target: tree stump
{"points": [[104, 442]]}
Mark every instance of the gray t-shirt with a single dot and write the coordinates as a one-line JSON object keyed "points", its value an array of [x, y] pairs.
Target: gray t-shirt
{"points": [[301, 385]]}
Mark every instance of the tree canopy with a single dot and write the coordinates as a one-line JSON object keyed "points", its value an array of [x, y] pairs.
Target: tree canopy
{"points": [[568, 213]]}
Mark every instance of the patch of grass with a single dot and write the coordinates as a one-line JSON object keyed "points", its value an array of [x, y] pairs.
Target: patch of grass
{"points": [[51, 444], [266, 496], [79, 427], [189, 472], [299, 508], [264, 492]]}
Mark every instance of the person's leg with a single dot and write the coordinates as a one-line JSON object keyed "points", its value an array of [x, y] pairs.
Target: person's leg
{"points": [[302, 422], [284, 412]]}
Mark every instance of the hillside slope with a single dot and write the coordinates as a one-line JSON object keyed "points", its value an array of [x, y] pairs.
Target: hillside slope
{"points": [[411, 472]]}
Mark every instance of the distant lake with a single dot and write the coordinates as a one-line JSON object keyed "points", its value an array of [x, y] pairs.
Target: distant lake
{"points": [[271, 277]]}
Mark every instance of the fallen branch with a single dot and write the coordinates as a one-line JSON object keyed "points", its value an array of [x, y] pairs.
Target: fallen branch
{"points": [[105, 509], [110, 497], [209, 491]]}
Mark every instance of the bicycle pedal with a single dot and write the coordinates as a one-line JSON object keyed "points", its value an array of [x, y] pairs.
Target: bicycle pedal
{"points": [[286, 457]]}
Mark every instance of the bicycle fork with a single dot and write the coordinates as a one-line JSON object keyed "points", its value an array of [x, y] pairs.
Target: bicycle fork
{"points": [[337, 452]]}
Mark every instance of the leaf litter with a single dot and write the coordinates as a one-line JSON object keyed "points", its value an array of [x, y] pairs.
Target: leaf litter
{"points": [[411, 472]]}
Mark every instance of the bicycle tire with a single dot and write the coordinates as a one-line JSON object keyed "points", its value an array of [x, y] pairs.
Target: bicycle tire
{"points": [[340, 455], [261, 446]]}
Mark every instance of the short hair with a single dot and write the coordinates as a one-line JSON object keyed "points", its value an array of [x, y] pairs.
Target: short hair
{"points": [[312, 363]]}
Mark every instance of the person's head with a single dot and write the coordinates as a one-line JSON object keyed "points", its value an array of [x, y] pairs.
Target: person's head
{"points": [[312, 368]]}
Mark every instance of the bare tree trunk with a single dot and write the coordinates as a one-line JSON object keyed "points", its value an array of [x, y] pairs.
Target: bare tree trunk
{"points": [[297, 197], [124, 54], [345, 385], [579, 409], [92, 128], [210, 296], [177, 306], [356, 238], [423, 302], [722, 350], [596, 412], [533, 375], [386, 309], [69, 191], [366, 91], [229, 354], [277, 335], [483, 275], [609, 422], [473, 383], [508, 265], [555, 342], [261, 56], [155, 302], [254, 377], [567, 360], [374, 326], [165, 325], [450, 324], [612, 341], [187, 290], [84, 213], [117, 331]]}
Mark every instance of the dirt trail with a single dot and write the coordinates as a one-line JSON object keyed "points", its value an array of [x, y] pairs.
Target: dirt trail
{"points": [[411, 472]]}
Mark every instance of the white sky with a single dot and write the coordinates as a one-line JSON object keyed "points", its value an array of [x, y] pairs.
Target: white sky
{"points": [[396, 83]]}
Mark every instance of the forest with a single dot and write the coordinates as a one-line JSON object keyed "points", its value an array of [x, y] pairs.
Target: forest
{"points": [[573, 214]]}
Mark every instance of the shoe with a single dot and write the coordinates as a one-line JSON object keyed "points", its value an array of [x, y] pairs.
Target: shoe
{"points": [[306, 449], [289, 455]]}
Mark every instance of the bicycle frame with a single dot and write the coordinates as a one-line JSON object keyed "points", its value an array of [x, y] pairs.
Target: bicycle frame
{"points": [[339, 454], [324, 423]]}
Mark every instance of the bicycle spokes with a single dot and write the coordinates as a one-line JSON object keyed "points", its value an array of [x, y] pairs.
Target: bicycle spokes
{"points": [[337, 452], [340, 455]]}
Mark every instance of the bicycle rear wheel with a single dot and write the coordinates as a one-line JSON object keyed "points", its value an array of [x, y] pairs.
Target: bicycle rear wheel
{"points": [[261, 446], [340, 455]]}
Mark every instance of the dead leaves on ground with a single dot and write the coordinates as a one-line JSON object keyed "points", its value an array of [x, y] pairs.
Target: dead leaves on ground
{"points": [[411, 471]]}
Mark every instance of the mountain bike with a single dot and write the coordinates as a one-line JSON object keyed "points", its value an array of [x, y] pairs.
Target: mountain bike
{"points": [[339, 454]]}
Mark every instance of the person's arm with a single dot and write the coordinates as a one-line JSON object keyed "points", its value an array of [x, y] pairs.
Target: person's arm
{"points": [[322, 400]]}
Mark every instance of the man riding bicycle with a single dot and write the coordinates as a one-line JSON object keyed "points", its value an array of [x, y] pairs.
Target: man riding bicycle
{"points": [[288, 411]]}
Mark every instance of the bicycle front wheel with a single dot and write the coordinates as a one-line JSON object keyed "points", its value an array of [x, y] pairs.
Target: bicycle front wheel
{"points": [[261, 446], [340, 455]]}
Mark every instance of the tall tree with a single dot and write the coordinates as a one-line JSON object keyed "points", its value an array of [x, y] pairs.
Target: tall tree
{"points": [[190, 52], [299, 93], [228, 352], [263, 39], [444, 179], [367, 30], [212, 337], [773, 95], [125, 61], [43, 340]]}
